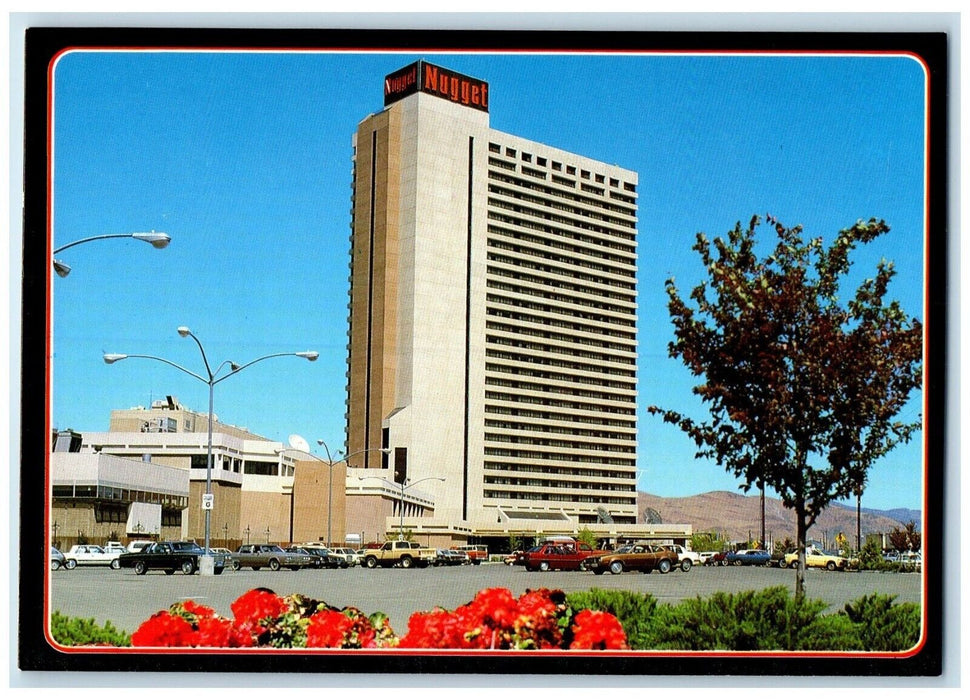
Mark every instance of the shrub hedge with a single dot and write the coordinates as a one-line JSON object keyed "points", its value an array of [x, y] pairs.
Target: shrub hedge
{"points": [[770, 619]]}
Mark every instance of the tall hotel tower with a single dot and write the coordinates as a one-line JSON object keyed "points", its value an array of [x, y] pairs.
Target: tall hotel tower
{"points": [[493, 313]]}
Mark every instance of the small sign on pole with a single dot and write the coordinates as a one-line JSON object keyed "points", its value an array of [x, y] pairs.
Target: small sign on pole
{"points": [[207, 500]]}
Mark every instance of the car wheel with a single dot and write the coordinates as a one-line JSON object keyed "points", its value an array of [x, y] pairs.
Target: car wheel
{"points": [[686, 564], [371, 562], [724, 562], [274, 564], [737, 562], [188, 567], [236, 566], [70, 564], [140, 568], [530, 568], [616, 567], [407, 562], [543, 566], [794, 564], [55, 565], [115, 564], [664, 566], [830, 566]]}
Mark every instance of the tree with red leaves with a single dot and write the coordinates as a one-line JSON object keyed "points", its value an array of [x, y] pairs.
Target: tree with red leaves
{"points": [[804, 391]]}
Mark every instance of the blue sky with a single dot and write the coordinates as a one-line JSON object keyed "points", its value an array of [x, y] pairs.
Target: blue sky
{"points": [[245, 160]]}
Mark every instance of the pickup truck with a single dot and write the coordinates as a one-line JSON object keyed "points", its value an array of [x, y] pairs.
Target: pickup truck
{"points": [[90, 555], [256, 556], [399, 552], [169, 556]]}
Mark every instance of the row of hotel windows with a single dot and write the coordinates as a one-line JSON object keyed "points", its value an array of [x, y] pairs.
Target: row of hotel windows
{"points": [[521, 496], [558, 377], [109, 513], [629, 476], [560, 444], [567, 286], [544, 213], [559, 350], [557, 484], [551, 457], [560, 337], [553, 415], [199, 461], [547, 362], [557, 166], [553, 229], [565, 199], [560, 390], [554, 238], [558, 430], [503, 235], [558, 310], [557, 403], [564, 272], [556, 323], [102, 492], [565, 298], [545, 255], [541, 227]]}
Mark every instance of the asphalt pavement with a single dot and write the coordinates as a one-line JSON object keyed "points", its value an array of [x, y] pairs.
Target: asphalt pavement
{"points": [[126, 599]]}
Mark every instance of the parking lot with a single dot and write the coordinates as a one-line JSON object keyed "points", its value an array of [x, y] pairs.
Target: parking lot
{"points": [[126, 599]]}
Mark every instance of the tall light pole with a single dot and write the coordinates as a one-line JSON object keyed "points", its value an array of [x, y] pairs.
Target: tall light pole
{"points": [[211, 381], [156, 239], [406, 484], [331, 463]]}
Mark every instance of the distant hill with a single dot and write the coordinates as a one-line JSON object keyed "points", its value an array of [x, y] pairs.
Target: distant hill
{"points": [[736, 516]]}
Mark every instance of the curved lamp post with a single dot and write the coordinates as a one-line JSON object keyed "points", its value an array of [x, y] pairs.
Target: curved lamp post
{"points": [[331, 463], [406, 484], [156, 239], [211, 381]]}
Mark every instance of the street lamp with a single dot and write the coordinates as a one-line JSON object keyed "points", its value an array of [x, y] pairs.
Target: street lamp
{"points": [[213, 379], [156, 239], [331, 463], [406, 484]]}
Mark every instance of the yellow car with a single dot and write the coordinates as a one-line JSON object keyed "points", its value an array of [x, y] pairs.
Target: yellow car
{"points": [[819, 559]]}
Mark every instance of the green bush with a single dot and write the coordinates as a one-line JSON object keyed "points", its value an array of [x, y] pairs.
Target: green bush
{"points": [[883, 626], [770, 619], [75, 632], [637, 612]]}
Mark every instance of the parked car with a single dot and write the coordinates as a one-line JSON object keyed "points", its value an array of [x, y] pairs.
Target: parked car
{"points": [[114, 547], [169, 557], [329, 560], [511, 557], [446, 557], [637, 557], [912, 560], [717, 559], [349, 555], [706, 557], [272, 556], [58, 560], [137, 545], [748, 557], [90, 555], [815, 557], [521, 556], [560, 554], [316, 560]]}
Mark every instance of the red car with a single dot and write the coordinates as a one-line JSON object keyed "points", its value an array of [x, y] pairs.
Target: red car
{"points": [[566, 555]]}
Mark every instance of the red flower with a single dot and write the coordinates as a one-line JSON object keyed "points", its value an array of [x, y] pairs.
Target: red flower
{"points": [[163, 629], [327, 629], [437, 629], [593, 629], [197, 610], [258, 604], [213, 632]]}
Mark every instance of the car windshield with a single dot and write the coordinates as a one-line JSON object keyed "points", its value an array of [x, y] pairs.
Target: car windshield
{"points": [[186, 547]]}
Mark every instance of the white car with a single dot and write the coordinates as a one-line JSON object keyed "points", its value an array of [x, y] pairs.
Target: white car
{"points": [[349, 555], [138, 545], [91, 555]]}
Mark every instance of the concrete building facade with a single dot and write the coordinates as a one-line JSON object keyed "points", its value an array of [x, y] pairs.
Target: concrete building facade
{"points": [[492, 316]]}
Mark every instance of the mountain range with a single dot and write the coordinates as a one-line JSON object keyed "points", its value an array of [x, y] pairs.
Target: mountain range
{"points": [[738, 517]]}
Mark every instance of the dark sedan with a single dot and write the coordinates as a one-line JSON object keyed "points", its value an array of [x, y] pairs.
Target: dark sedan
{"points": [[169, 557], [748, 557]]}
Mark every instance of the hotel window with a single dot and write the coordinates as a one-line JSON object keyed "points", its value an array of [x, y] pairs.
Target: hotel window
{"points": [[510, 152], [527, 157]]}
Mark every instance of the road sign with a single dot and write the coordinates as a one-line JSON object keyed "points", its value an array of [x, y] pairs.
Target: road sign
{"points": [[207, 501]]}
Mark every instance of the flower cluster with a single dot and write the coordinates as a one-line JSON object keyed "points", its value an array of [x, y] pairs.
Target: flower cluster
{"points": [[264, 619], [539, 619], [495, 619]]}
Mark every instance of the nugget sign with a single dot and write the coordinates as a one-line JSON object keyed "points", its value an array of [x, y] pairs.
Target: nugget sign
{"points": [[434, 80], [207, 501]]}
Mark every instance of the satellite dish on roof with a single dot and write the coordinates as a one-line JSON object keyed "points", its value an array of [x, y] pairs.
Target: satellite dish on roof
{"points": [[298, 443]]}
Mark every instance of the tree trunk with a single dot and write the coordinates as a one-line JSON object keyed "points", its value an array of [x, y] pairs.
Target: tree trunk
{"points": [[801, 534]]}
